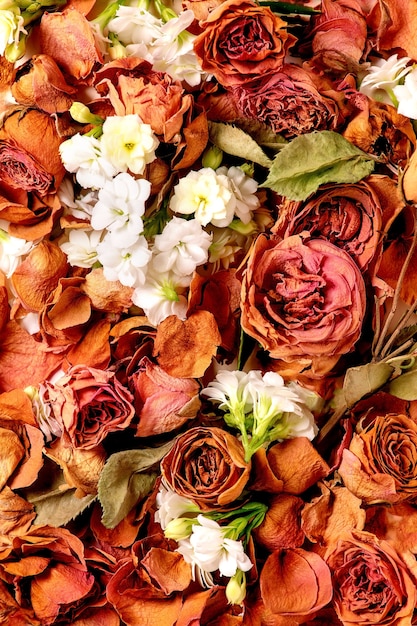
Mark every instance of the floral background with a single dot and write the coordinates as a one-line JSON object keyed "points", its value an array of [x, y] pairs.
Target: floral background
{"points": [[208, 376]]}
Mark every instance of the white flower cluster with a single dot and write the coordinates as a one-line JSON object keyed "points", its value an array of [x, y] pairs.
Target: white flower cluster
{"points": [[11, 26], [203, 543], [216, 196], [165, 43], [263, 407], [393, 81]]}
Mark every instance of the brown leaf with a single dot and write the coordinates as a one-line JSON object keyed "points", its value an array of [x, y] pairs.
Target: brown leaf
{"points": [[184, 349]]}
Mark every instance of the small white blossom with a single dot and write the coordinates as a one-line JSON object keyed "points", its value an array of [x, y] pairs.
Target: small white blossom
{"points": [[230, 389], [207, 195], [120, 206], [244, 188], [209, 548], [128, 143], [161, 295], [82, 155], [12, 249], [171, 506], [383, 76], [135, 25], [81, 249], [227, 244], [181, 247], [127, 265], [406, 95]]}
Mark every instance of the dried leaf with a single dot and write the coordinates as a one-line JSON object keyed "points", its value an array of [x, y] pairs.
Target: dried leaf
{"points": [[57, 508], [364, 379], [126, 479], [313, 159], [405, 386], [235, 141]]}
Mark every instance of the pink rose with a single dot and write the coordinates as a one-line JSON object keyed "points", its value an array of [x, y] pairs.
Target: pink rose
{"points": [[90, 403], [292, 101], [304, 301]]}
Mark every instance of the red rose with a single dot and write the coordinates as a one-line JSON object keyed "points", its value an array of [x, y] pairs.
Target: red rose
{"points": [[304, 300], [91, 403], [242, 40]]}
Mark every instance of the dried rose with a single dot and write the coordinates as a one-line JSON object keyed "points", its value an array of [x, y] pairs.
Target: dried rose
{"points": [[381, 463], [241, 40], [207, 466], [46, 569], [304, 300], [292, 101], [372, 585], [133, 87], [350, 216], [40, 83], [90, 403], [380, 130], [151, 583], [162, 402], [69, 39], [339, 35], [29, 154]]}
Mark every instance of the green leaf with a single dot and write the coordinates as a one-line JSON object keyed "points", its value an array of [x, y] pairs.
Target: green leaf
{"points": [[235, 141], [127, 478], [313, 159], [365, 379], [405, 386]]}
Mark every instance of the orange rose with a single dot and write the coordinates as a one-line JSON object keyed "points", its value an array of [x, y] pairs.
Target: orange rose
{"points": [[304, 300], [371, 583], [29, 154], [381, 463], [242, 40], [207, 466]]}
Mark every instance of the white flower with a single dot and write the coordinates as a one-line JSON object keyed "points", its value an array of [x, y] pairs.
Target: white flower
{"points": [[49, 424], [230, 389], [383, 76], [135, 25], [207, 195], [406, 95], [209, 548], [11, 25], [181, 247], [244, 188], [171, 505], [82, 154], [81, 249], [120, 206], [127, 265], [161, 296], [128, 143], [12, 249], [225, 247]]}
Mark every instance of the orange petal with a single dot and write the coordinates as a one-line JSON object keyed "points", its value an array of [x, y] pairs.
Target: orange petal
{"points": [[168, 569], [370, 488], [196, 339], [15, 452], [326, 517], [295, 582], [281, 527], [105, 295], [16, 514], [297, 463], [38, 275]]}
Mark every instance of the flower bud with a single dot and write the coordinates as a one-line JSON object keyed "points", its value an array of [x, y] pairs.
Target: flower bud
{"points": [[212, 157], [236, 588], [82, 114], [179, 528]]}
